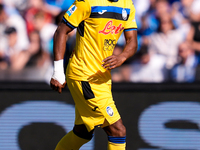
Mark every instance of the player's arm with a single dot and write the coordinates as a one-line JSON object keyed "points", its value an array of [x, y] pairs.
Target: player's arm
{"points": [[130, 32], [130, 48], [79, 11], [60, 37]]}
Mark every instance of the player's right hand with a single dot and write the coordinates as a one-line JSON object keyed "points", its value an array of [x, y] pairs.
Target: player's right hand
{"points": [[57, 86], [113, 61]]}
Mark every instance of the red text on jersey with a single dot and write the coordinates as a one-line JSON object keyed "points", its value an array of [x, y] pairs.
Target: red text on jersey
{"points": [[110, 28]]}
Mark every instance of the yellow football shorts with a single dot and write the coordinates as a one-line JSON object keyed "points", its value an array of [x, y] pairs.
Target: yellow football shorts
{"points": [[94, 104]]}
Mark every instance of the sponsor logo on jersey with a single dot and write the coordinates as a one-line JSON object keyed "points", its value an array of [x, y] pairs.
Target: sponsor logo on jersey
{"points": [[109, 111], [71, 10], [102, 12], [110, 28], [109, 44], [124, 14]]}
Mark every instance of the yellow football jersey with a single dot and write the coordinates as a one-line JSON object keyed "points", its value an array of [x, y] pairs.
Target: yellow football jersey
{"points": [[99, 24]]}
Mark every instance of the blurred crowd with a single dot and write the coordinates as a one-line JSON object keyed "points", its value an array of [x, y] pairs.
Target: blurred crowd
{"points": [[168, 40], [26, 37], [169, 43]]}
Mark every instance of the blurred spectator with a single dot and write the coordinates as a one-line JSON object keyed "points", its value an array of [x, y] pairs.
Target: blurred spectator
{"points": [[20, 5], [34, 56], [148, 68], [142, 6], [190, 8], [60, 4], [37, 56], [149, 21], [12, 20], [185, 70], [12, 51], [30, 64], [179, 14], [34, 7], [3, 63], [162, 7], [185, 10], [17, 59], [162, 26], [166, 40], [194, 34], [44, 6], [45, 29]]}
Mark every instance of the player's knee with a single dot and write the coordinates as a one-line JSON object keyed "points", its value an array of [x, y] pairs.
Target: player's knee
{"points": [[82, 132], [117, 129]]}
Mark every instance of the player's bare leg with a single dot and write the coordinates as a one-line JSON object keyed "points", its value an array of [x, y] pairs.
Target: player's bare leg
{"points": [[116, 136]]}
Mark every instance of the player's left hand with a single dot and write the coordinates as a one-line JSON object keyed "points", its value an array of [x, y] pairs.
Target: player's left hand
{"points": [[112, 62]]}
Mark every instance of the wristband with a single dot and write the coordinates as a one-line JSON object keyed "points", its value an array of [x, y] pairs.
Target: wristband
{"points": [[58, 73], [58, 66]]}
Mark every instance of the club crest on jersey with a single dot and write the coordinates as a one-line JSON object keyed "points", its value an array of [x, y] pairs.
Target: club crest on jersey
{"points": [[109, 111], [124, 14], [71, 10], [110, 28]]}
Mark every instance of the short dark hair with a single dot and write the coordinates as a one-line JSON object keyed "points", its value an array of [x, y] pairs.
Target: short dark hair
{"points": [[10, 30]]}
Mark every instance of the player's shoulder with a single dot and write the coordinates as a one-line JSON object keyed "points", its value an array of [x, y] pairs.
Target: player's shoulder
{"points": [[125, 3], [92, 2], [129, 2], [82, 4]]}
